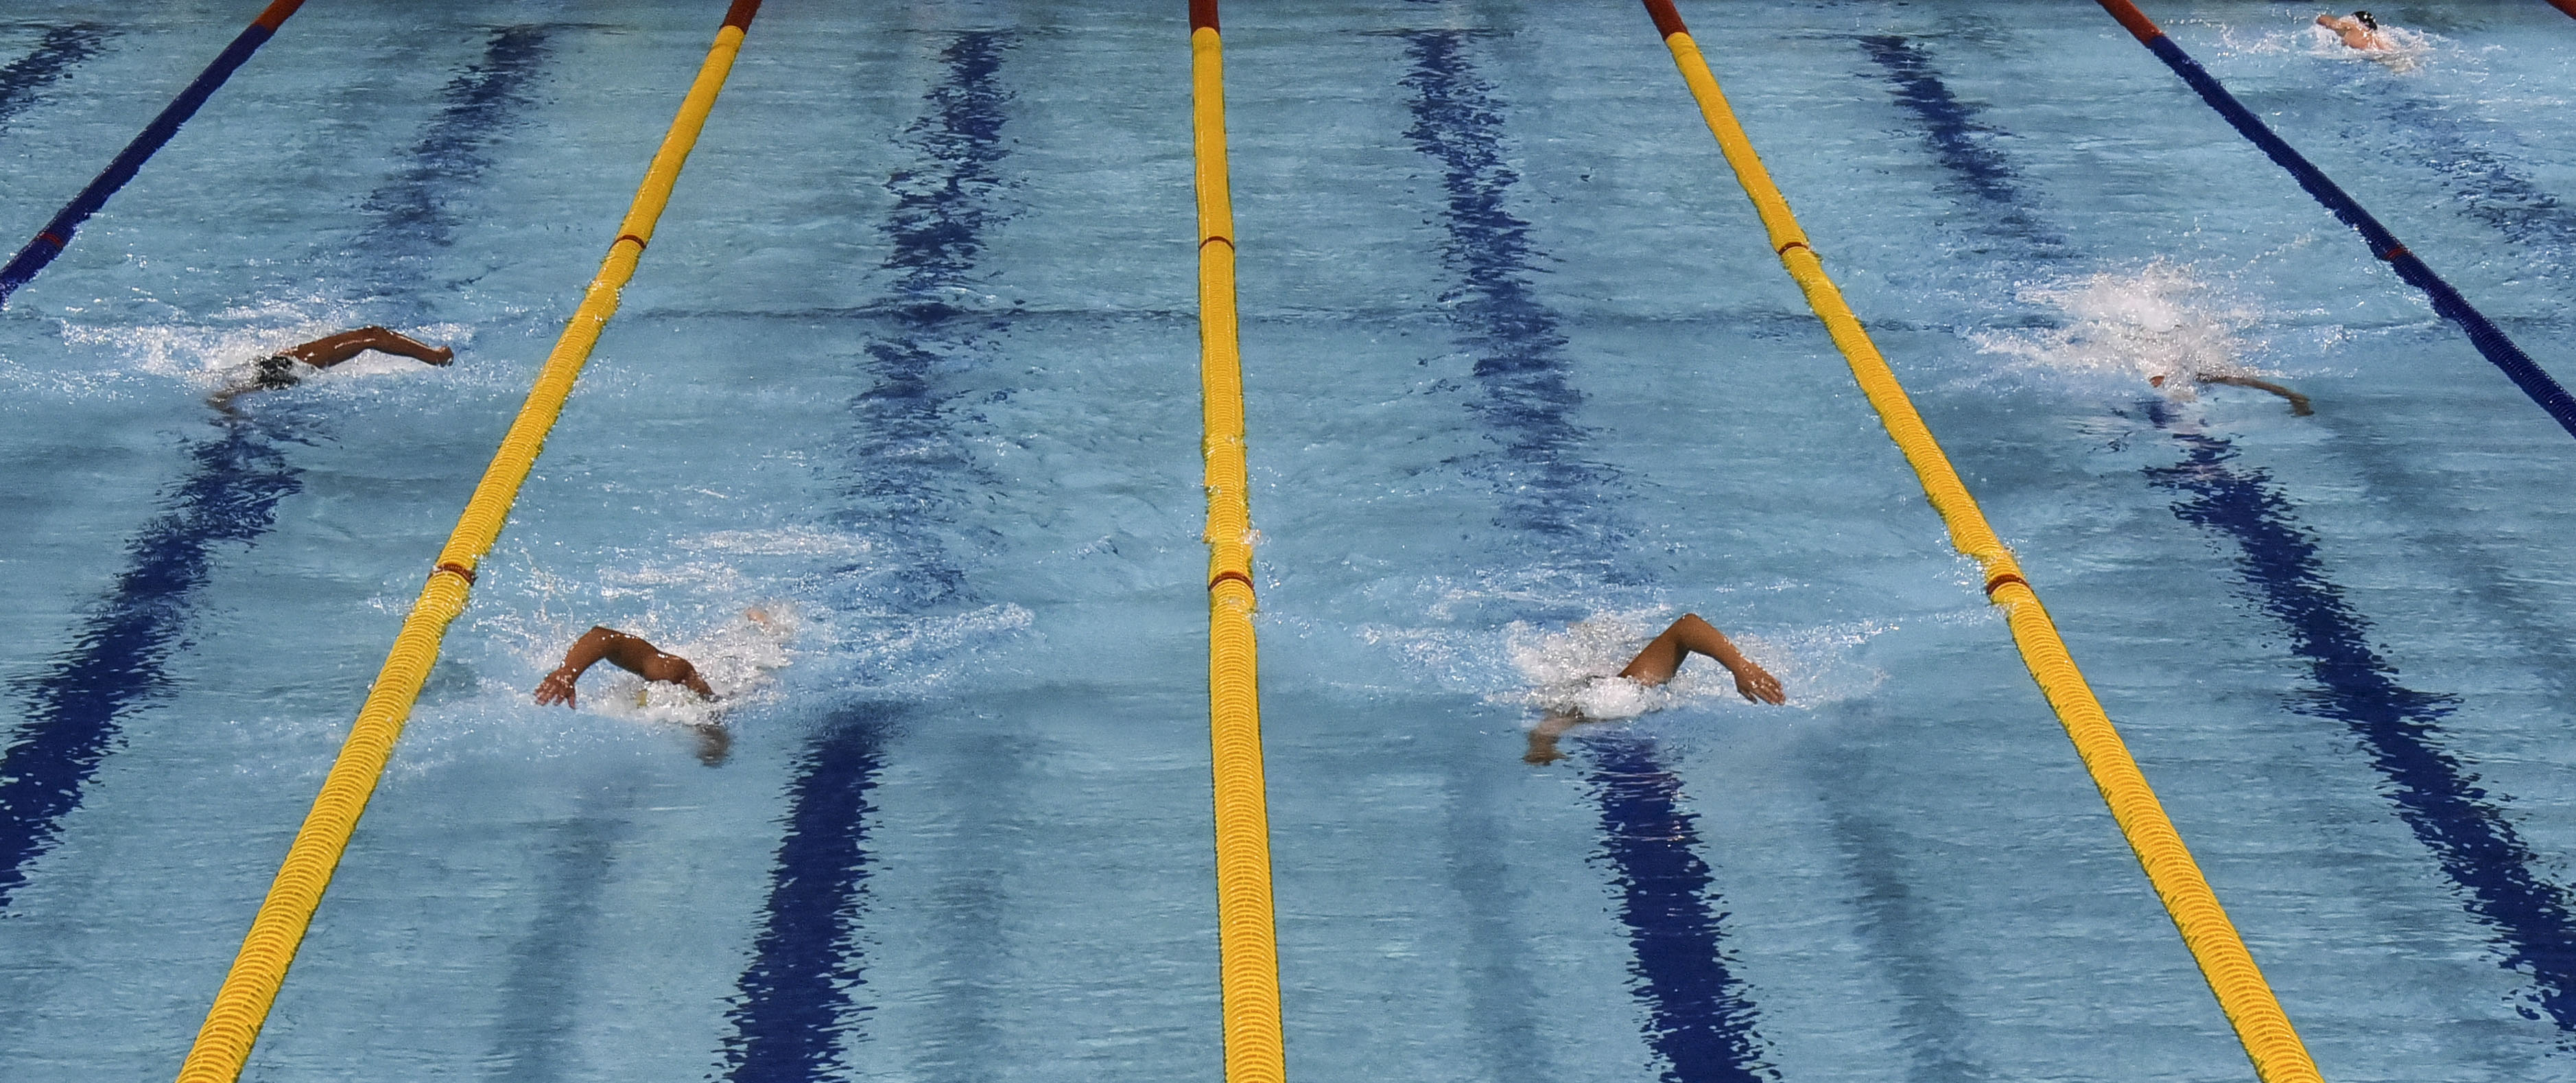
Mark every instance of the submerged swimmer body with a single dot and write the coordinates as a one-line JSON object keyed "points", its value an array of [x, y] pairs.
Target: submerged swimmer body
{"points": [[2358, 30], [637, 656], [278, 370], [1655, 665], [2298, 402]]}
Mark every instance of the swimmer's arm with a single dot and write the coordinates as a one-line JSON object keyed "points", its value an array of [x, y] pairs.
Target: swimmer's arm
{"points": [[630, 653], [584, 653], [1663, 658], [2298, 402], [1542, 737]]}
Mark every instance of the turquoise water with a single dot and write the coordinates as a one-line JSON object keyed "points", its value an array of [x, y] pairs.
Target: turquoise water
{"points": [[912, 362]]}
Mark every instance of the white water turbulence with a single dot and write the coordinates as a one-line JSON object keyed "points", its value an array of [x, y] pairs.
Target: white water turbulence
{"points": [[2404, 50], [2162, 326], [226, 349], [1574, 670], [735, 658]]}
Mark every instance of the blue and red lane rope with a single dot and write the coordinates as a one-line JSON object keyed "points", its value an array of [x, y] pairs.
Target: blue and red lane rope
{"points": [[2483, 333], [50, 241]]}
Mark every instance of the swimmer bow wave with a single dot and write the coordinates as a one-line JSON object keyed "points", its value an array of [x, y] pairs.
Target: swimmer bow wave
{"points": [[2269, 1040], [50, 241], [1247, 932], [241, 1006], [2483, 333]]}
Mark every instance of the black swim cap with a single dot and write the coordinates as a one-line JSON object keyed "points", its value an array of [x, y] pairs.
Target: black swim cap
{"points": [[2366, 20]]}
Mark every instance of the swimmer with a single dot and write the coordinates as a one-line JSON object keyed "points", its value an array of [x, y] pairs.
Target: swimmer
{"points": [[2358, 30], [637, 656], [278, 369], [2298, 402], [1655, 665]]}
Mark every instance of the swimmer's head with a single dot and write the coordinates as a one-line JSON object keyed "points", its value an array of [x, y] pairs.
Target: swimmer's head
{"points": [[2365, 19]]}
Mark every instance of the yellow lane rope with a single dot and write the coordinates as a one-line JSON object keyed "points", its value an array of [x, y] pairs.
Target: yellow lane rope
{"points": [[241, 1005], [1247, 935], [2270, 1042]]}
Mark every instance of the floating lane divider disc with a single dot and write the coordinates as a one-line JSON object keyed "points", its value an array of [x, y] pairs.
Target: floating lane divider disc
{"points": [[2270, 1042], [1247, 934], [2483, 333], [2568, 6], [57, 234], [242, 1004]]}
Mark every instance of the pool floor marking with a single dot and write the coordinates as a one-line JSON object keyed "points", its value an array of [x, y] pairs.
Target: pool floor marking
{"points": [[1247, 932], [2490, 341], [52, 60], [2270, 1041], [76, 709], [2440, 798], [794, 995], [241, 1006], [796, 1013], [57, 234], [1695, 1015]]}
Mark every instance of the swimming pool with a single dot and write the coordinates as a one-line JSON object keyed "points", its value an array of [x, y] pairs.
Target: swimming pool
{"points": [[912, 359]]}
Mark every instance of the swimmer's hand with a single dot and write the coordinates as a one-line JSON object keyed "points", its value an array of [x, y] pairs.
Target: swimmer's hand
{"points": [[557, 687], [1542, 738], [1756, 683]]}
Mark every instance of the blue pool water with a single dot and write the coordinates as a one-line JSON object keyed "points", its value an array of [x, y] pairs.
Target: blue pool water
{"points": [[911, 365]]}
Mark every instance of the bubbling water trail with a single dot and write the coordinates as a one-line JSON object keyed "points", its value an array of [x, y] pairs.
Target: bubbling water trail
{"points": [[2163, 324]]}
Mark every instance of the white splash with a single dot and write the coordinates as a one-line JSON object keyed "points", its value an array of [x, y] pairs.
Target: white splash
{"points": [[2402, 50], [205, 356], [736, 659], [1574, 669], [2162, 324]]}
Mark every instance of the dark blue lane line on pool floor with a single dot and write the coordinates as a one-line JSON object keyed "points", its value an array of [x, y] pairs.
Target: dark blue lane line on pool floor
{"points": [[1528, 403], [1697, 1016], [23, 81], [1700, 1017], [117, 657], [795, 1006], [2486, 187], [795, 998], [411, 214], [1963, 144], [2437, 796]]}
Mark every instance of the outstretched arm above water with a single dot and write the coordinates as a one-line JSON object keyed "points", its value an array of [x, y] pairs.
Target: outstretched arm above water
{"points": [[277, 370], [1691, 635], [2298, 402], [1655, 665], [630, 653], [329, 350]]}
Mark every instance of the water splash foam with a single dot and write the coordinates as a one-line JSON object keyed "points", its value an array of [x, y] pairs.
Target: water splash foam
{"points": [[2164, 324]]}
